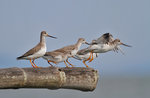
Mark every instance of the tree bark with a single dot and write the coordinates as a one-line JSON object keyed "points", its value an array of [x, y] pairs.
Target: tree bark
{"points": [[80, 78]]}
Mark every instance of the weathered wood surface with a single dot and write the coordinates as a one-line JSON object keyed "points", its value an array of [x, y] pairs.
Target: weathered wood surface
{"points": [[80, 78]]}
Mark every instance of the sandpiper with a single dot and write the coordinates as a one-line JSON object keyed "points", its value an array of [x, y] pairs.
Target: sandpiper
{"points": [[56, 57], [68, 51], [104, 44], [102, 48], [38, 51], [81, 55]]}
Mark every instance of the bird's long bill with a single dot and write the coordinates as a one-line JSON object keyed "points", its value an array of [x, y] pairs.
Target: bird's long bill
{"points": [[126, 45], [51, 36], [87, 43]]}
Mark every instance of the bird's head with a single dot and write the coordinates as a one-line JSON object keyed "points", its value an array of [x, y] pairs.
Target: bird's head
{"points": [[82, 40], [118, 42], [43, 33]]}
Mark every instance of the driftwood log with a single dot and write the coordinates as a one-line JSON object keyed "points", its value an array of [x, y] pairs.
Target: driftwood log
{"points": [[80, 78]]}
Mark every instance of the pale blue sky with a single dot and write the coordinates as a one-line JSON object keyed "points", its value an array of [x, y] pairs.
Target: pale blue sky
{"points": [[21, 22]]}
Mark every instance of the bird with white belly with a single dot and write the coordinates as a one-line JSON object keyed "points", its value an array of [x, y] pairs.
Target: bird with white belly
{"points": [[38, 51], [104, 44], [62, 54]]}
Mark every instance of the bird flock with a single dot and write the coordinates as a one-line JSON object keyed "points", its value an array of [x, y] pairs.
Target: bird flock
{"points": [[103, 44]]}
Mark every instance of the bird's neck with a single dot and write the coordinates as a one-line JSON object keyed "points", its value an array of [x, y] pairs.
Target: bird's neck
{"points": [[42, 39], [78, 45]]}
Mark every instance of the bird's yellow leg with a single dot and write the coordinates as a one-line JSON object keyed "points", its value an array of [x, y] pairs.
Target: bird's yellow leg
{"points": [[91, 58], [32, 64], [66, 64], [35, 64], [69, 63], [85, 63]]}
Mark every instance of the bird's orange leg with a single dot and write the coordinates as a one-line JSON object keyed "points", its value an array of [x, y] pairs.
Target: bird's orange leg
{"points": [[69, 63], [91, 58], [66, 64], [35, 64], [32, 64], [85, 63], [52, 61], [49, 63]]}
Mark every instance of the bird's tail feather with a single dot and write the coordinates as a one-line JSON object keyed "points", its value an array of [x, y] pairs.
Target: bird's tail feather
{"points": [[19, 58]]}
